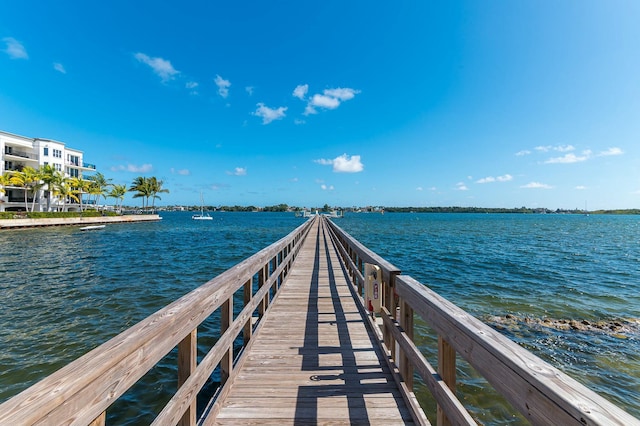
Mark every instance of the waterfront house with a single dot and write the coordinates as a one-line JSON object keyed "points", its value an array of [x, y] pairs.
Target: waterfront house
{"points": [[19, 152]]}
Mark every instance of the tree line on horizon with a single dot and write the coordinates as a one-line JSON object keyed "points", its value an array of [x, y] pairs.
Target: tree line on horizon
{"points": [[449, 209]]}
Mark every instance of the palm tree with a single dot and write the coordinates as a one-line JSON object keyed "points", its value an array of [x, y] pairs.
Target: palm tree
{"points": [[81, 186], [142, 189], [29, 180], [100, 185], [51, 178], [118, 192], [5, 181], [64, 191], [155, 189]]}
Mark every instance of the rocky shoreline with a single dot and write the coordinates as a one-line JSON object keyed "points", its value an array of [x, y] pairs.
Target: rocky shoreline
{"points": [[622, 328]]}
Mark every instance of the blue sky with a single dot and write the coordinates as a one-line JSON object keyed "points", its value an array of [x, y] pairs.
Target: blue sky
{"points": [[483, 103]]}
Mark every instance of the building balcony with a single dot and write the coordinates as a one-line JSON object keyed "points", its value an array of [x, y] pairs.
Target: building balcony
{"points": [[19, 200], [13, 167], [20, 155], [88, 166]]}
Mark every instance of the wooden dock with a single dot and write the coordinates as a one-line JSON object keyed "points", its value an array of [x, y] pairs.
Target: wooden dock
{"points": [[297, 346], [315, 361]]}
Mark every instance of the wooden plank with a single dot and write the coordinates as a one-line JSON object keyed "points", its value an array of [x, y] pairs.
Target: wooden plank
{"points": [[447, 371], [187, 363], [314, 360]]}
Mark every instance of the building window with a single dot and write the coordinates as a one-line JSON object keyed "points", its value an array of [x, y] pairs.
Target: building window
{"points": [[57, 153], [58, 167], [46, 151]]}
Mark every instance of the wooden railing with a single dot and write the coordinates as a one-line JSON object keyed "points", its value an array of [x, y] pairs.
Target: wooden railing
{"points": [[81, 392], [542, 393]]}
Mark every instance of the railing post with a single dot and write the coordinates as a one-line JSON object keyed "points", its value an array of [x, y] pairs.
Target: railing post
{"points": [[274, 287], [406, 322], [187, 363], [390, 303], [262, 279], [447, 371], [226, 319], [360, 266], [247, 299], [101, 420]]}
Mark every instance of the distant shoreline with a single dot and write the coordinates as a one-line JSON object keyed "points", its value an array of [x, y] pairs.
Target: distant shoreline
{"points": [[75, 221], [283, 208]]}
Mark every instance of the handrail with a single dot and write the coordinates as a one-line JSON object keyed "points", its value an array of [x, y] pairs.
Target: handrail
{"points": [[542, 393], [81, 392]]}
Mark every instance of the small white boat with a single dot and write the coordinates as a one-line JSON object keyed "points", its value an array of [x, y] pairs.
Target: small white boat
{"points": [[92, 227], [201, 216]]}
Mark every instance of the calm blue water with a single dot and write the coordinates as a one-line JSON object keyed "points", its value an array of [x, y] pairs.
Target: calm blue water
{"points": [[63, 292]]}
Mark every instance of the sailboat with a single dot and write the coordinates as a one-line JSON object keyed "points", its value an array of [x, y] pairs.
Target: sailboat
{"points": [[201, 216]]}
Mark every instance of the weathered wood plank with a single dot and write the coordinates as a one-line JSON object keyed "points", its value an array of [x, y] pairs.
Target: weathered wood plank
{"points": [[314, 360]]}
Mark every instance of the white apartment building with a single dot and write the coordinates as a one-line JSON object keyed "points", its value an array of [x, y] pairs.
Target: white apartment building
{"points": [[20, 151]]}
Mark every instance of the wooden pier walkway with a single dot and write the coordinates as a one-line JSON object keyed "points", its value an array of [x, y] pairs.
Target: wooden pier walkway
{"points": [[315, 361], [296, 345]]}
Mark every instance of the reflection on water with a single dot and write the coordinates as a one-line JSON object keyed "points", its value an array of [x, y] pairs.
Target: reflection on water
{"points": [[63, 292]]}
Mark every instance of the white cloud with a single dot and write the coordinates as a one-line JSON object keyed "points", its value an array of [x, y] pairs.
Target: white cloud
{"points": [[326, 188], [223, 86], [611, 151], [489, 179], [460, 186], [238, 171], [328, 99], [324, 101], [344, 94], [249, 90], [183, 172], [269, 114], [59, 67], [523, 152], [581, 187], [536, 185], [559, 148], [192, 86], [298, 121], [344, 164], [569, 158], [161, 67], [419, 188], [15, 49], [301, 91], [145, 168]]}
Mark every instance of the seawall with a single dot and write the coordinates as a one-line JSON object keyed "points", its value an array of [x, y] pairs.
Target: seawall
{"points": [[69, 221]]}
